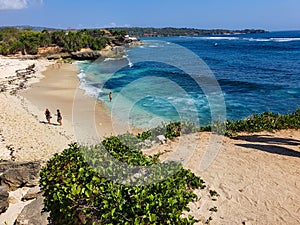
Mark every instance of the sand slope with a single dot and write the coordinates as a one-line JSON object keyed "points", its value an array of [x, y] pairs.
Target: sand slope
{"points": [[256, 175]]}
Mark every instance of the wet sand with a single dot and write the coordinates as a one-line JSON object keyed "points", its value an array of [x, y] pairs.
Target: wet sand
{"points": [[87, 118]]}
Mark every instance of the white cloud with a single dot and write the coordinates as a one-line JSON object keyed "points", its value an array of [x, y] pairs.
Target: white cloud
{"points": [[113, 24], [13, 4], [17, 4]]}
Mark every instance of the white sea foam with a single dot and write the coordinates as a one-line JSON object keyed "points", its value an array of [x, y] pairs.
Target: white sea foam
{"points": [[90, 90], [285, 39], [257, 39], [181, 101], [272, 39], [153, 46], [130, 64], [111, 59], [81, 75], [249, 39], [217, 38]]}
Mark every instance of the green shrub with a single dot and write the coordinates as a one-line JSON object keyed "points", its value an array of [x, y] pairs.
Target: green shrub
{"points": [[77, 193], [266, 121], [173, 130], [170, 130]]}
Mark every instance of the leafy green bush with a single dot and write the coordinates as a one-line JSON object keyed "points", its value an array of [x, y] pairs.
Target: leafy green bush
{"points": [[173, 130], [144, 135], [78, 193], [266, 121], [170, 130]]}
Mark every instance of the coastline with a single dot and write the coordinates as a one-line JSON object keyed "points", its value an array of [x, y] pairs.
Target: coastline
{"points": [[254, 174]]}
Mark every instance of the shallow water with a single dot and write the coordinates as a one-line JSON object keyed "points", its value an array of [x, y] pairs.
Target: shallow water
{"points": [[187, 78]]}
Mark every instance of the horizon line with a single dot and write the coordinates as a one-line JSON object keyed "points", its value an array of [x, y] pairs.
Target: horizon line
{"points": [[121, 27]]}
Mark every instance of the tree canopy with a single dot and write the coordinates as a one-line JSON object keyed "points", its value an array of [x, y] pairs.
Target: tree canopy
{"points": [[13, 40]]}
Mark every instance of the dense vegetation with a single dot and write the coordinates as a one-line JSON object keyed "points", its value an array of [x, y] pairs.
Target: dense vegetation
{"points": [[78, 193], [170, 31], [27, 41]]}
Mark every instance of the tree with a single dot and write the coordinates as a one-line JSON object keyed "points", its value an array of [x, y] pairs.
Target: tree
{"points": [[15, 46], [31, 41]]}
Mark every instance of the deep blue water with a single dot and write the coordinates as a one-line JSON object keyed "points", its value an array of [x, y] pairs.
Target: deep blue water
{"points": [[159, 80]]}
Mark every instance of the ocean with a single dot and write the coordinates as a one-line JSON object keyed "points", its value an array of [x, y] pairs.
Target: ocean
{"points": [[199, 79]]}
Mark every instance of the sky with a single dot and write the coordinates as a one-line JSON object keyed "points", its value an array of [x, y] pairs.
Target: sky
{"points": [[270, 15]]}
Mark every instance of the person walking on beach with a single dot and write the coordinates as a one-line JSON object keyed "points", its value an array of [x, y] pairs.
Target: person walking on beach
{"points": [[48, 115], [110, 96], [59, 117]]}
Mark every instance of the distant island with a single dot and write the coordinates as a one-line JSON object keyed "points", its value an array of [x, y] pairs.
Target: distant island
{"points": [[170, 31]]}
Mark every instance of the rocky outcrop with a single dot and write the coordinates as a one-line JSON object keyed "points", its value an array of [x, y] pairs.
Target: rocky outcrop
{"points": [[19, 175], [49, 50], [33, 214], [3, 199], [87, 55], [32, 193], [59, 56], [15, 195]]}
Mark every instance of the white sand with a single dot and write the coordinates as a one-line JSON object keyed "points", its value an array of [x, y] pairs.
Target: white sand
{"points": [[9, 66], [23, 134]]}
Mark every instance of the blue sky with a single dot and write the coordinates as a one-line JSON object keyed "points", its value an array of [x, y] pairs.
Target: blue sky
{"points": [[207, 14]]}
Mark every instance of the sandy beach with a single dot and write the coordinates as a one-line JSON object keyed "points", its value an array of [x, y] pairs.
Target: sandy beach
{"points": [[256, 175], [53, 86], [24, 134]]}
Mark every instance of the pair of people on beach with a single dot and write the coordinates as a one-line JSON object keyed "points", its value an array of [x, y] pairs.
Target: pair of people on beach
{"points": [[48, 116]]}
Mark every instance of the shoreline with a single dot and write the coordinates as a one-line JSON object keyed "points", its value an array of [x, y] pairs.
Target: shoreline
{"points": [[84, 116], [55, 86]]}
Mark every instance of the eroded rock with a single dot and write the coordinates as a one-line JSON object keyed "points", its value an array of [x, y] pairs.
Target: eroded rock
{"points": [[33, 214], [19, 175], [3, 199], [32, 193]]}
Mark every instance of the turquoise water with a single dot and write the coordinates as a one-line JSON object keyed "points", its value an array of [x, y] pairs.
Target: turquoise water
{"points": [[187, 78]]}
